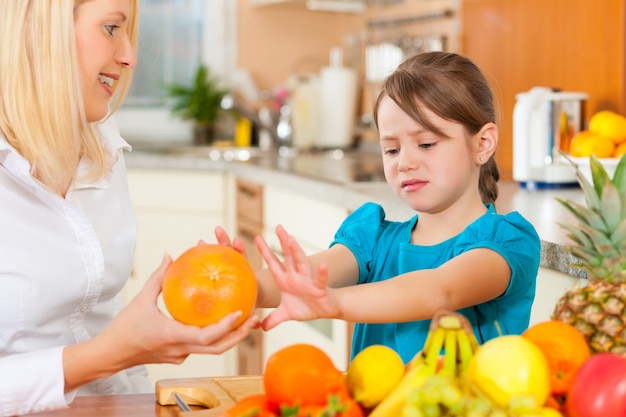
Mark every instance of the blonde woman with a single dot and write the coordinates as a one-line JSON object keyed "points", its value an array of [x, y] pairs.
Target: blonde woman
{"points": [[68, 228]]}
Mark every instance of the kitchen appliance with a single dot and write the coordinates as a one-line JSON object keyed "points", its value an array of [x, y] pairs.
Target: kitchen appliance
{"points": [[544, 121]]}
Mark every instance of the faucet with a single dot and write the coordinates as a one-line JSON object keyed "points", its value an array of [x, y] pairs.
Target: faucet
{"points": [[277, 125]]}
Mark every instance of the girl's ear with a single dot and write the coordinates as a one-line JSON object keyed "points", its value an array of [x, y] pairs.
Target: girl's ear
{"points": [[487, 142]]}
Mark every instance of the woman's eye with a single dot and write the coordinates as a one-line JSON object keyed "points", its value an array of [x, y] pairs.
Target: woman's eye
{"points": [[111, 28], [427, 145]]}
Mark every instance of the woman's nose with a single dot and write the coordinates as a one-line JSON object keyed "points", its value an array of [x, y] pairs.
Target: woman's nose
{"points": [[126, 55]]}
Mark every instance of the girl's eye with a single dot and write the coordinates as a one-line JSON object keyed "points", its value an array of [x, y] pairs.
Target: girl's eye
{"points": [[391, 151], [111, 28], [427, 145]]}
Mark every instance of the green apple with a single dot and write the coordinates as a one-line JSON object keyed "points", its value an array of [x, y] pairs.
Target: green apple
{"points": [[510, 367]]}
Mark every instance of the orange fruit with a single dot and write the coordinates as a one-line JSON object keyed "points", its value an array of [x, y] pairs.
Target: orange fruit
{"points": [[301, 374], [254, 405], [206, 283], [587, 143], [564, 347], [620, 150], [577, 142]]}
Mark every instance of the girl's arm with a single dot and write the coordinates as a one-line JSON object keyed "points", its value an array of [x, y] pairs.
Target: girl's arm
{"points": [[344, 272], [469, 279], [142, 334]]}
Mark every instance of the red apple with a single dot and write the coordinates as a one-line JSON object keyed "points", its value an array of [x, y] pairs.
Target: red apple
{"points": [[599, 388]]}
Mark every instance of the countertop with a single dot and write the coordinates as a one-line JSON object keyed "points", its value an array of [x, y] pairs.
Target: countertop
{"points": [[227, 391], [349, 179]]}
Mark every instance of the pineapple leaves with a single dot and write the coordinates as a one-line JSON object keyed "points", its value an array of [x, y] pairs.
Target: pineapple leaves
{"points": [[598, 175], [619, 180], [611, 205]]}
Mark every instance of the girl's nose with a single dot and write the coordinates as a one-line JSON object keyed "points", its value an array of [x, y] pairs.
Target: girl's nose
{"points": [[408, 160]]}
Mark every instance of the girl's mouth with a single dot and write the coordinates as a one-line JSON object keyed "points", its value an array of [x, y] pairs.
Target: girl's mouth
{"points": [[411, 185]]}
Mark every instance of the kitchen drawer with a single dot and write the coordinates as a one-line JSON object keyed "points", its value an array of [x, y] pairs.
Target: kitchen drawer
{"points": [[249, 202]]}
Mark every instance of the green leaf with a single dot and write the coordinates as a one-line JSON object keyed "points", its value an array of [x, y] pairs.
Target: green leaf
{"points": [[598, 174], [619, 236], [611, 206], [619, 177]]}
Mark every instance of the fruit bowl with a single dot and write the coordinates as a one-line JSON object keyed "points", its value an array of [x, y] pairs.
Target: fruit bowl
{"points": [[583, 164]]}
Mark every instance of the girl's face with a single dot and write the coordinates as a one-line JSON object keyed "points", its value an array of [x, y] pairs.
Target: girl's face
{"points": [[428, 171], [104, 49]]}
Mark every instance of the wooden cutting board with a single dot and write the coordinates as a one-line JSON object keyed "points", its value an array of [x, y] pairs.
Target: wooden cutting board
{"points": [[216, 394]]}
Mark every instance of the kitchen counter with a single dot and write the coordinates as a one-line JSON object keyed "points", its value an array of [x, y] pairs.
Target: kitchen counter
{"points": [[349, 179], [227, 391]]}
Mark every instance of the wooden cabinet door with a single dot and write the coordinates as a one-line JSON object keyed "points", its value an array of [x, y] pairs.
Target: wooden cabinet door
{"points": [[574, 45]]}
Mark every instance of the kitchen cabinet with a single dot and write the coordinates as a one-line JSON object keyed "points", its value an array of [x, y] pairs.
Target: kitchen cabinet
{"points": [[175, 209], [313, 223], [249, 223], [573, 45], [551, 285]]}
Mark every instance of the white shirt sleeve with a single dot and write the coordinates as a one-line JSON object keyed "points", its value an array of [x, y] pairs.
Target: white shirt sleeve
{"points": [[63, 262], [32, 382]]}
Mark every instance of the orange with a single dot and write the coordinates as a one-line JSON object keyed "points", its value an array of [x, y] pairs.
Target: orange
{"points": [[577, 142], [303, 375], [564, 347], [587, 143], [206, 283], [620, 150], [254, 405]]}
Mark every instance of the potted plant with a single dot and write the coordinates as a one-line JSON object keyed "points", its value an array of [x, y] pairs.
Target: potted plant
{"points": [[199, 103]]}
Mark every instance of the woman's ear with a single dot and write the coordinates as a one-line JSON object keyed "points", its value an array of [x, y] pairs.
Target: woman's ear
{"points": [[487, 142]]}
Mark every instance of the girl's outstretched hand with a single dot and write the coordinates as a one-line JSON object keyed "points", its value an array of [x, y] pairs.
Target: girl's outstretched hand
{"points": [[304, 295], [224, 240]]}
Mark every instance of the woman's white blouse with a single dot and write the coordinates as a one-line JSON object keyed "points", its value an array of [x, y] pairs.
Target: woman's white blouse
{"points": [[63, 263]]}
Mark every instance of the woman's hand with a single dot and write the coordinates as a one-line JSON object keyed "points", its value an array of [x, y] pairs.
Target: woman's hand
{"points": [[304, 295], [158, 338], [143, 334]]}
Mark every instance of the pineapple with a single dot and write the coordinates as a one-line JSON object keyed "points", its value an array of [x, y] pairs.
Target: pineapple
{"points": [[598, 309]]}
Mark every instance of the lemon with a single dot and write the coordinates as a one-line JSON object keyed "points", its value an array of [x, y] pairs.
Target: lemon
{"points": [[609, 124], [373, 373]]}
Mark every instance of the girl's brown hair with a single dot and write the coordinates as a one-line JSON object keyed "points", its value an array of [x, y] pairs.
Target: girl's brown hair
{"points": [[452, 87]]}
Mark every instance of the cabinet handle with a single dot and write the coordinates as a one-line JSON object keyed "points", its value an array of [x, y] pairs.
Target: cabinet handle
{"points": [[248, 191]]}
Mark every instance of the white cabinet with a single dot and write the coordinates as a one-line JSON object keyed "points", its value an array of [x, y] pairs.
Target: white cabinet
{"points": [[176, 209], [551, 285], [313, 223]]}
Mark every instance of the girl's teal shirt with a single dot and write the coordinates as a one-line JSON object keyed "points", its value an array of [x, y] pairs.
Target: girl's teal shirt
{"points": [[384, 250]]}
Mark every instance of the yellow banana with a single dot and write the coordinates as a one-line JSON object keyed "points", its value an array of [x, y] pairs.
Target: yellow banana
{"points": [[466, 350], [449, 357], [393, 403], [434, 350]]}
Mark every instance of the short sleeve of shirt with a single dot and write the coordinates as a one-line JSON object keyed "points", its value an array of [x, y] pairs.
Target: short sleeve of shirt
{"points": [[365, 231]]}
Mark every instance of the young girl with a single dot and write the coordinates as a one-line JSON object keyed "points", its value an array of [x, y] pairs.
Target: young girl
{"points": [[68, 227], [436, 120]]}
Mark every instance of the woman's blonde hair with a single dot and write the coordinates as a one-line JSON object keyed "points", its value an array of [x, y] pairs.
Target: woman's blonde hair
{"points": [[41, 107]]}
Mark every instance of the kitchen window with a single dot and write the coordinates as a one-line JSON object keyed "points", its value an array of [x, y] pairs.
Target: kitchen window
{"points": [[175, 36]]}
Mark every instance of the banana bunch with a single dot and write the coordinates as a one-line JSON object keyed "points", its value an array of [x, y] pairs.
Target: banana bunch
{"points": [[450, 333]]}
